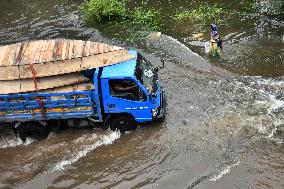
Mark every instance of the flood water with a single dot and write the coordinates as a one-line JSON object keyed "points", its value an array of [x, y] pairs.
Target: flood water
{"points": [[224, 126]]}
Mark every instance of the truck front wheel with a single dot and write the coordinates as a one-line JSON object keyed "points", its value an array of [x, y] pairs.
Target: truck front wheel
{"points": [[122, 123]]}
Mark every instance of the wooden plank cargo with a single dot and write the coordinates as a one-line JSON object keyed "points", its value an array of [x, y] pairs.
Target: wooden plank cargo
{"points": [[53, 63]]}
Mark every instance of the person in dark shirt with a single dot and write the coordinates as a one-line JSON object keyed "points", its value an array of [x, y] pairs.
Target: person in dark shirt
{"points": [[215, 37]]}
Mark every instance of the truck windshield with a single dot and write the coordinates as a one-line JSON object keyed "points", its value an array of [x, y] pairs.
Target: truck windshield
{"points": [[146, 74]]}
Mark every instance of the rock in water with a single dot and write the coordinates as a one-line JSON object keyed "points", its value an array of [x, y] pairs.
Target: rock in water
{"points": [[197, 36], [154, 35]]}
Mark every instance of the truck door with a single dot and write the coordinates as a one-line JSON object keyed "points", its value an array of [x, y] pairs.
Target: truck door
{"points": [[126, 96]]}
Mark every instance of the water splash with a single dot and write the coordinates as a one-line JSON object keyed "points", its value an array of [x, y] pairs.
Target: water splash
{"points": [[276, 104], [10, 143], [264, 105], [105, 140], [223, 172]]}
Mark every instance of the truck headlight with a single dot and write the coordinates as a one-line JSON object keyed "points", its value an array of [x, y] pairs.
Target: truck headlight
{"points": [[155, 112]]}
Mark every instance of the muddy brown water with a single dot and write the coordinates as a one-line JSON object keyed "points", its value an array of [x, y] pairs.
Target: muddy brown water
{"points": [[222, 130]]}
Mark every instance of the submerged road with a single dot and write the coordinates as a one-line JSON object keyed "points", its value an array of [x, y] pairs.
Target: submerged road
{"points": [[221, 130]]}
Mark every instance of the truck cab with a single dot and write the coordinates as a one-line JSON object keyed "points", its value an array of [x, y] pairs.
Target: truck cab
{"points": [[132, 89]]}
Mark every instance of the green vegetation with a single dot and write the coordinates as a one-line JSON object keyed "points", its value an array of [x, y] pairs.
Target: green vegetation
{"points": [[147, 17], [199, 16], [104, 10], [247, 11], [101, 11], [203, 13]]}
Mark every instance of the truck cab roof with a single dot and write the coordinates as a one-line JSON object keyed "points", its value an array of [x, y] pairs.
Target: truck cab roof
{"points": [[122, 70]]}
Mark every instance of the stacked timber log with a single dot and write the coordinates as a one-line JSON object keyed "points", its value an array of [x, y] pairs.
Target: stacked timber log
{"points": [[53, 65]]}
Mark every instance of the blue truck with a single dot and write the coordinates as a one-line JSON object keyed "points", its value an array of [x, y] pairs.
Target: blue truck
{"points": [[122, 95]]}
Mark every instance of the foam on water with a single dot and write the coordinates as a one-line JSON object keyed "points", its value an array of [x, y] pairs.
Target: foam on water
{"points": [[267, 89], [258, 103], [104, 140], [270, 97], [12, 141], [275, 104], [270, 89], [9, 143], [223, 172]]}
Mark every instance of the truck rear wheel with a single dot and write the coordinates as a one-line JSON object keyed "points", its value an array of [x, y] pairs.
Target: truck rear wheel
{"points": [[32, 130], [123, 123]]}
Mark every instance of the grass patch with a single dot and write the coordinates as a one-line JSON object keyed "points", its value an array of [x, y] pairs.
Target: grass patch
{"points": [[102, 11], [203, 13], [150, 18], [98, 11], [213, 13], [246, 11]]}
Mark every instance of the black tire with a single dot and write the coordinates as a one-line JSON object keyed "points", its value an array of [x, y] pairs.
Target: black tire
{"points": [[33, 130], [122, 123]]}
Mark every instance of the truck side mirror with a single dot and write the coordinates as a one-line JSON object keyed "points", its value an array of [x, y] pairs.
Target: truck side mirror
{"points": [[163, 62], [159, 67]]}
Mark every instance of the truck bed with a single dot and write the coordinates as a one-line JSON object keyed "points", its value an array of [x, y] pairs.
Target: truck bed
{"points": [[46, 105]]}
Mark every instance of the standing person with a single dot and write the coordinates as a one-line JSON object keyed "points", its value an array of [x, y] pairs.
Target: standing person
{"points": [[215, 37], [214, 46]]}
